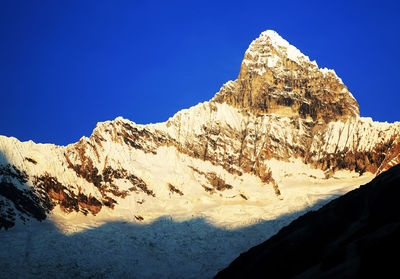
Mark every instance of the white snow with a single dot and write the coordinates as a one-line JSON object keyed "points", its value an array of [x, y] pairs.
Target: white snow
{"points": [[292, 52], [173, 243], [361, 134], [180, 234], [261, 55]]}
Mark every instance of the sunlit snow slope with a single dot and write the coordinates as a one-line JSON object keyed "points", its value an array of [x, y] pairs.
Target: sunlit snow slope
{"points": [[281, 138]]}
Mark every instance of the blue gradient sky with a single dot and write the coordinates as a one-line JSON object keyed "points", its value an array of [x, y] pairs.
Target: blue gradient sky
{"points": [[66, 65]]}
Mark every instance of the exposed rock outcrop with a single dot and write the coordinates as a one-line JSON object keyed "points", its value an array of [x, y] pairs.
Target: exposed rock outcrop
{"points": [[281, 108], [275, 77]]}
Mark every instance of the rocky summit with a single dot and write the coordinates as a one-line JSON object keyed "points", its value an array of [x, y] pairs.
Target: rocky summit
{"points": [[283, 137], [275, 77]]}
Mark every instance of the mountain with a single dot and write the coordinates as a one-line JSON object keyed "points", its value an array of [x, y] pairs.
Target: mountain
{"points": [[354, 236], [285, 136]]}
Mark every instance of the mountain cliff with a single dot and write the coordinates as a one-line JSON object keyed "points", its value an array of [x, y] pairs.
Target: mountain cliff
{"points": [[283, 120]]}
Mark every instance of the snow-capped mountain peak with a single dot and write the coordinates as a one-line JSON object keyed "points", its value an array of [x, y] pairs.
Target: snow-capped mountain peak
{"points": [[270, 38], [275, 77], [278, 139]]}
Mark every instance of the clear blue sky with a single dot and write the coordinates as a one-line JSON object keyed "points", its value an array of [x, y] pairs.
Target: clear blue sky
{"points": [[66, 65]]}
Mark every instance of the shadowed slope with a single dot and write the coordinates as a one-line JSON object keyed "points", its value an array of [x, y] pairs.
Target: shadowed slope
{"points": [[166, 248], [354, 236]]}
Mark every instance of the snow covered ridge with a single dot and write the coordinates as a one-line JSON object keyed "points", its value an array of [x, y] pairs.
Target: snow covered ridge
{"points": [[209, 154], [259, 130], [282, 138]]}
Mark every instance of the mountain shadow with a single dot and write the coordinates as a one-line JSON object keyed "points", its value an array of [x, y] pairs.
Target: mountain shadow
{"points": [[18, 201], [163, 249], [354, 236]]}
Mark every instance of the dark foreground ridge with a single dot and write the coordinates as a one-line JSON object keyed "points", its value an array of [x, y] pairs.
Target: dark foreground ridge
{"points": [[354, 236]]}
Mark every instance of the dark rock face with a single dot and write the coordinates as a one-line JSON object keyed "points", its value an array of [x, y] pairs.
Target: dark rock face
{"points": [[273, 81], [54, 193], [25, 203], [19, 201], [354, 236], [281, 106], [215, 183], [304, 98]]}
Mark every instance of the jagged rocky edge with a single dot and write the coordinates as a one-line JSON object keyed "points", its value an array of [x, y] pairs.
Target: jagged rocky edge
{"points": [[24, 195], [52, 192], [231, 134]]}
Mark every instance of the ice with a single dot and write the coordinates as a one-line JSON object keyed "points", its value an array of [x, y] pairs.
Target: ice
{"points": [[198, 233], [171, 244]]}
